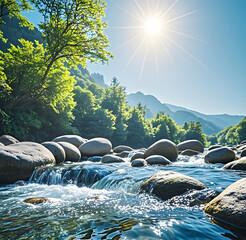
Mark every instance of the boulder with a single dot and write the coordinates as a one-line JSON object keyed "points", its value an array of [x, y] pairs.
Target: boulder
{"points": [[122, 148], [72, 139], [57, 150], [96, 146], [138, 162], [137, 155], [18, 161], [7, 140], [123, 154], [72, 152], [236, 165], [220, 155], [192, 145], [157, 159], [167, 184], [214, 147], [163, 147], [111, 159], [230, 205], [189, 152], [243, 153]]}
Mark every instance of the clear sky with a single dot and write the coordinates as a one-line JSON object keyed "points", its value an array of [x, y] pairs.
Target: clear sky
{"points": [[192, 56]]}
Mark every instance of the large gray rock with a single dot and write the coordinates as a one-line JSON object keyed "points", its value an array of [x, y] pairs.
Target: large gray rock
{"points": [[122, 148], [189, 152], [214, 147], [191, 144], [236, 165], [220, 155], [7, 140], [18, 161], [137, 155], [157, 160], [138, 162], [57, 150], [73, 139], [111, 159], [96, 147], [72, 153], [163, 147], [230, 205], [123, 154], [167, 184]]}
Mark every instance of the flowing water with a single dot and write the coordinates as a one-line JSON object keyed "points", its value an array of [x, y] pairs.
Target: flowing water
{"points": [[90, 200]]}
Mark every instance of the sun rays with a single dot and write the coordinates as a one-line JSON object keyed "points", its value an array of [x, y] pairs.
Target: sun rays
{"points": [[156, 28]]}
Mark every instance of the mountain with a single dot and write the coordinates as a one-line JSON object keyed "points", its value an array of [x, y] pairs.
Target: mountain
{"points": [[99, 79], [211, 124]]}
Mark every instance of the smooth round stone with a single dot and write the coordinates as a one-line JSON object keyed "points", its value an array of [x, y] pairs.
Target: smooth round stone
{"points": [[239, 164], [123, 154], [111, 159], [7, 140], [243, 142], [95, 159], [157, 160], [122, 148], [192, 145], [137, 155], [243, 153], [138, 162], [220, 155], [189, 152], [57, 150], [230, 205], [72, 139], [167, 184], [96, 147], [18, 161], [163, 147], [214, 147], [72, 153]]}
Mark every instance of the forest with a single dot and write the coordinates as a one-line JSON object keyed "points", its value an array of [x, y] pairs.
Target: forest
{"points": [[46, 90]]}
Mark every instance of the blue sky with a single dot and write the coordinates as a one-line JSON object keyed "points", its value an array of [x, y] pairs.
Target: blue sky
{"points": [[205, 73]]}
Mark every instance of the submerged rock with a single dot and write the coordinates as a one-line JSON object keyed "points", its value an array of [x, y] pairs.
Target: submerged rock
{"points": [[72, 153], [96, 146], [163, 147], [236, 165], [189, 152], [230, 205], [7, 140], [18, 161], [37, 200], [72, 139], [192, 145], [57, 150], [138, 162], [220, 155], [122, 148], [157, 159], [137, 155], [167, 184], [111, 159]]}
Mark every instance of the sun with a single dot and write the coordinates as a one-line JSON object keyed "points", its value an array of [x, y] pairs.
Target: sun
{"points": [[153, 26]]}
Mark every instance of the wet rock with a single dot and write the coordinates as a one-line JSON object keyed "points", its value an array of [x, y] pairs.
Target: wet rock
{"points": [[57, 150], [243, 142], [123, 154], [95, 159], [1, 144], [230, 205], [236, 165], [167, 184], [111, 159], [72, 139], [214, 147], [163, 147], [189, 152], [192, 145], [96, 146], [241, 148], [137, 155], [18, 161], [7, 140], [37, 200], [243, 153], [122, 148], [72, 153], [157, 160], [220, 155], [138, 162], [20, 183]]}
